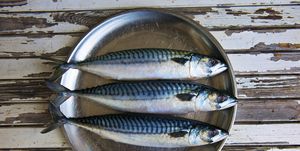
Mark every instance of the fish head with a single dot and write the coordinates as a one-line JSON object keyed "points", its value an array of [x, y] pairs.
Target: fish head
{"points": [[204, 66], [201, 135], [211, 100]]}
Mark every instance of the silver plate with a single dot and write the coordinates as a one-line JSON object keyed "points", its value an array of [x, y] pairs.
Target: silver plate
{"points": [[142, 29]]}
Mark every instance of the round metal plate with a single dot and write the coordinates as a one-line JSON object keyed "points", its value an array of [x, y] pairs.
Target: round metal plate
{"points": [[142, 29]]}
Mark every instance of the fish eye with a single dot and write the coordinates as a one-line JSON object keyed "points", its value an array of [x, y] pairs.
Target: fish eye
{"points": [[221, 98], [213, 62], [213, 133]]}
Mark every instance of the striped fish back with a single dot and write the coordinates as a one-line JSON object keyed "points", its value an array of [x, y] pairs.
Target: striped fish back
{"points": [[138, 56], [137, 124], [142, 88]]}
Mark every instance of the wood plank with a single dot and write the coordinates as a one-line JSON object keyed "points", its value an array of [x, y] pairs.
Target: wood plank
{"points": [[47, 5], [249, 111], [226, 148], [24, 114], [265, 63], [212, 18], [261, 148], [243, 64], [268, 86], [263, 134], [18, 46], [16, 91]]}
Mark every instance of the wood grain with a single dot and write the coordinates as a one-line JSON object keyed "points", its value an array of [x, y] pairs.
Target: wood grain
{"points": [[226, 148], [249, 111], [47, 5], [281, 86], [261, 148], [254, 41], [212, 18], [263, 134]]}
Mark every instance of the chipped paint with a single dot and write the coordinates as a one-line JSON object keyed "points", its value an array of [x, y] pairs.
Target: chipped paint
{"points": [[12, 3], [267, 17], [237, 13], [240, 39], [262, 64], [268, 10], [268, 82], [20, 23], [41, 74]]}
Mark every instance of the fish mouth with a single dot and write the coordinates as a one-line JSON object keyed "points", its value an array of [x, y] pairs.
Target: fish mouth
{"points": [[228, 103], [222, 135], [218, 69]]}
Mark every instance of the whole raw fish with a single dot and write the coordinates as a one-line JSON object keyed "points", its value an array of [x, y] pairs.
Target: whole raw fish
{"points": [[149, 63], [164, 96], [145, 130]]}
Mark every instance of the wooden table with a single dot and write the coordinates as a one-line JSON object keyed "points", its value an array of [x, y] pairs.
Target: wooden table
{"points": [[261, 38]]}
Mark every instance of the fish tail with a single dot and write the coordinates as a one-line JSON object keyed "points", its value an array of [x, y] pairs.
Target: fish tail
{"points": [[58, 119], [59, 66], [64, 93]]}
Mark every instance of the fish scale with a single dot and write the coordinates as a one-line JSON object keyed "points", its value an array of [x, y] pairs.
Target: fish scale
{"points": [[136, 124], [151, 88]]}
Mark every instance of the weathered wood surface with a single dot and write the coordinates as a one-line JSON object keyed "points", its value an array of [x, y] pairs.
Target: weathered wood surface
{"points": [[226, 148], [261, 148], [212, 18], [249, 112], [260, 37], [58, 5], [263, 134], [254, 41]]}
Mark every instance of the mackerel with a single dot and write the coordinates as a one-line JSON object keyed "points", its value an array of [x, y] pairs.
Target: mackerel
{"points": [[144, 129], [149, 63], [163, 96]]}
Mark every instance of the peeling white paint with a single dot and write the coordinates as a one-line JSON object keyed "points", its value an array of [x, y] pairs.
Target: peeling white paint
{"points": [[262, 63], [267, 82], [37, 5], [248, 39]]}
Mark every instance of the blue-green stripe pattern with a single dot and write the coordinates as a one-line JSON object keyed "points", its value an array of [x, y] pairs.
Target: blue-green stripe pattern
{"points": [[137, 123], [143, 88], [143, 55]]}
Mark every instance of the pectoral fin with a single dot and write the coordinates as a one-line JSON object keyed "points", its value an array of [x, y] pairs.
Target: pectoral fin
{"points": [[180, 60], [178, 134], [185, 96]]}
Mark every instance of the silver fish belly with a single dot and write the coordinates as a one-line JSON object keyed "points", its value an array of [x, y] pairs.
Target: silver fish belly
{"points": [[149, 130], [151, 63]]}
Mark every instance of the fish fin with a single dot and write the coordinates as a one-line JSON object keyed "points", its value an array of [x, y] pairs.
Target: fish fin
{"points": [[50, 127], [58, 119], [185, 96], [56, 87], [59, 67], [58, 72], [64, 93], [180, 60], [60, 99], [178, 134]]}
